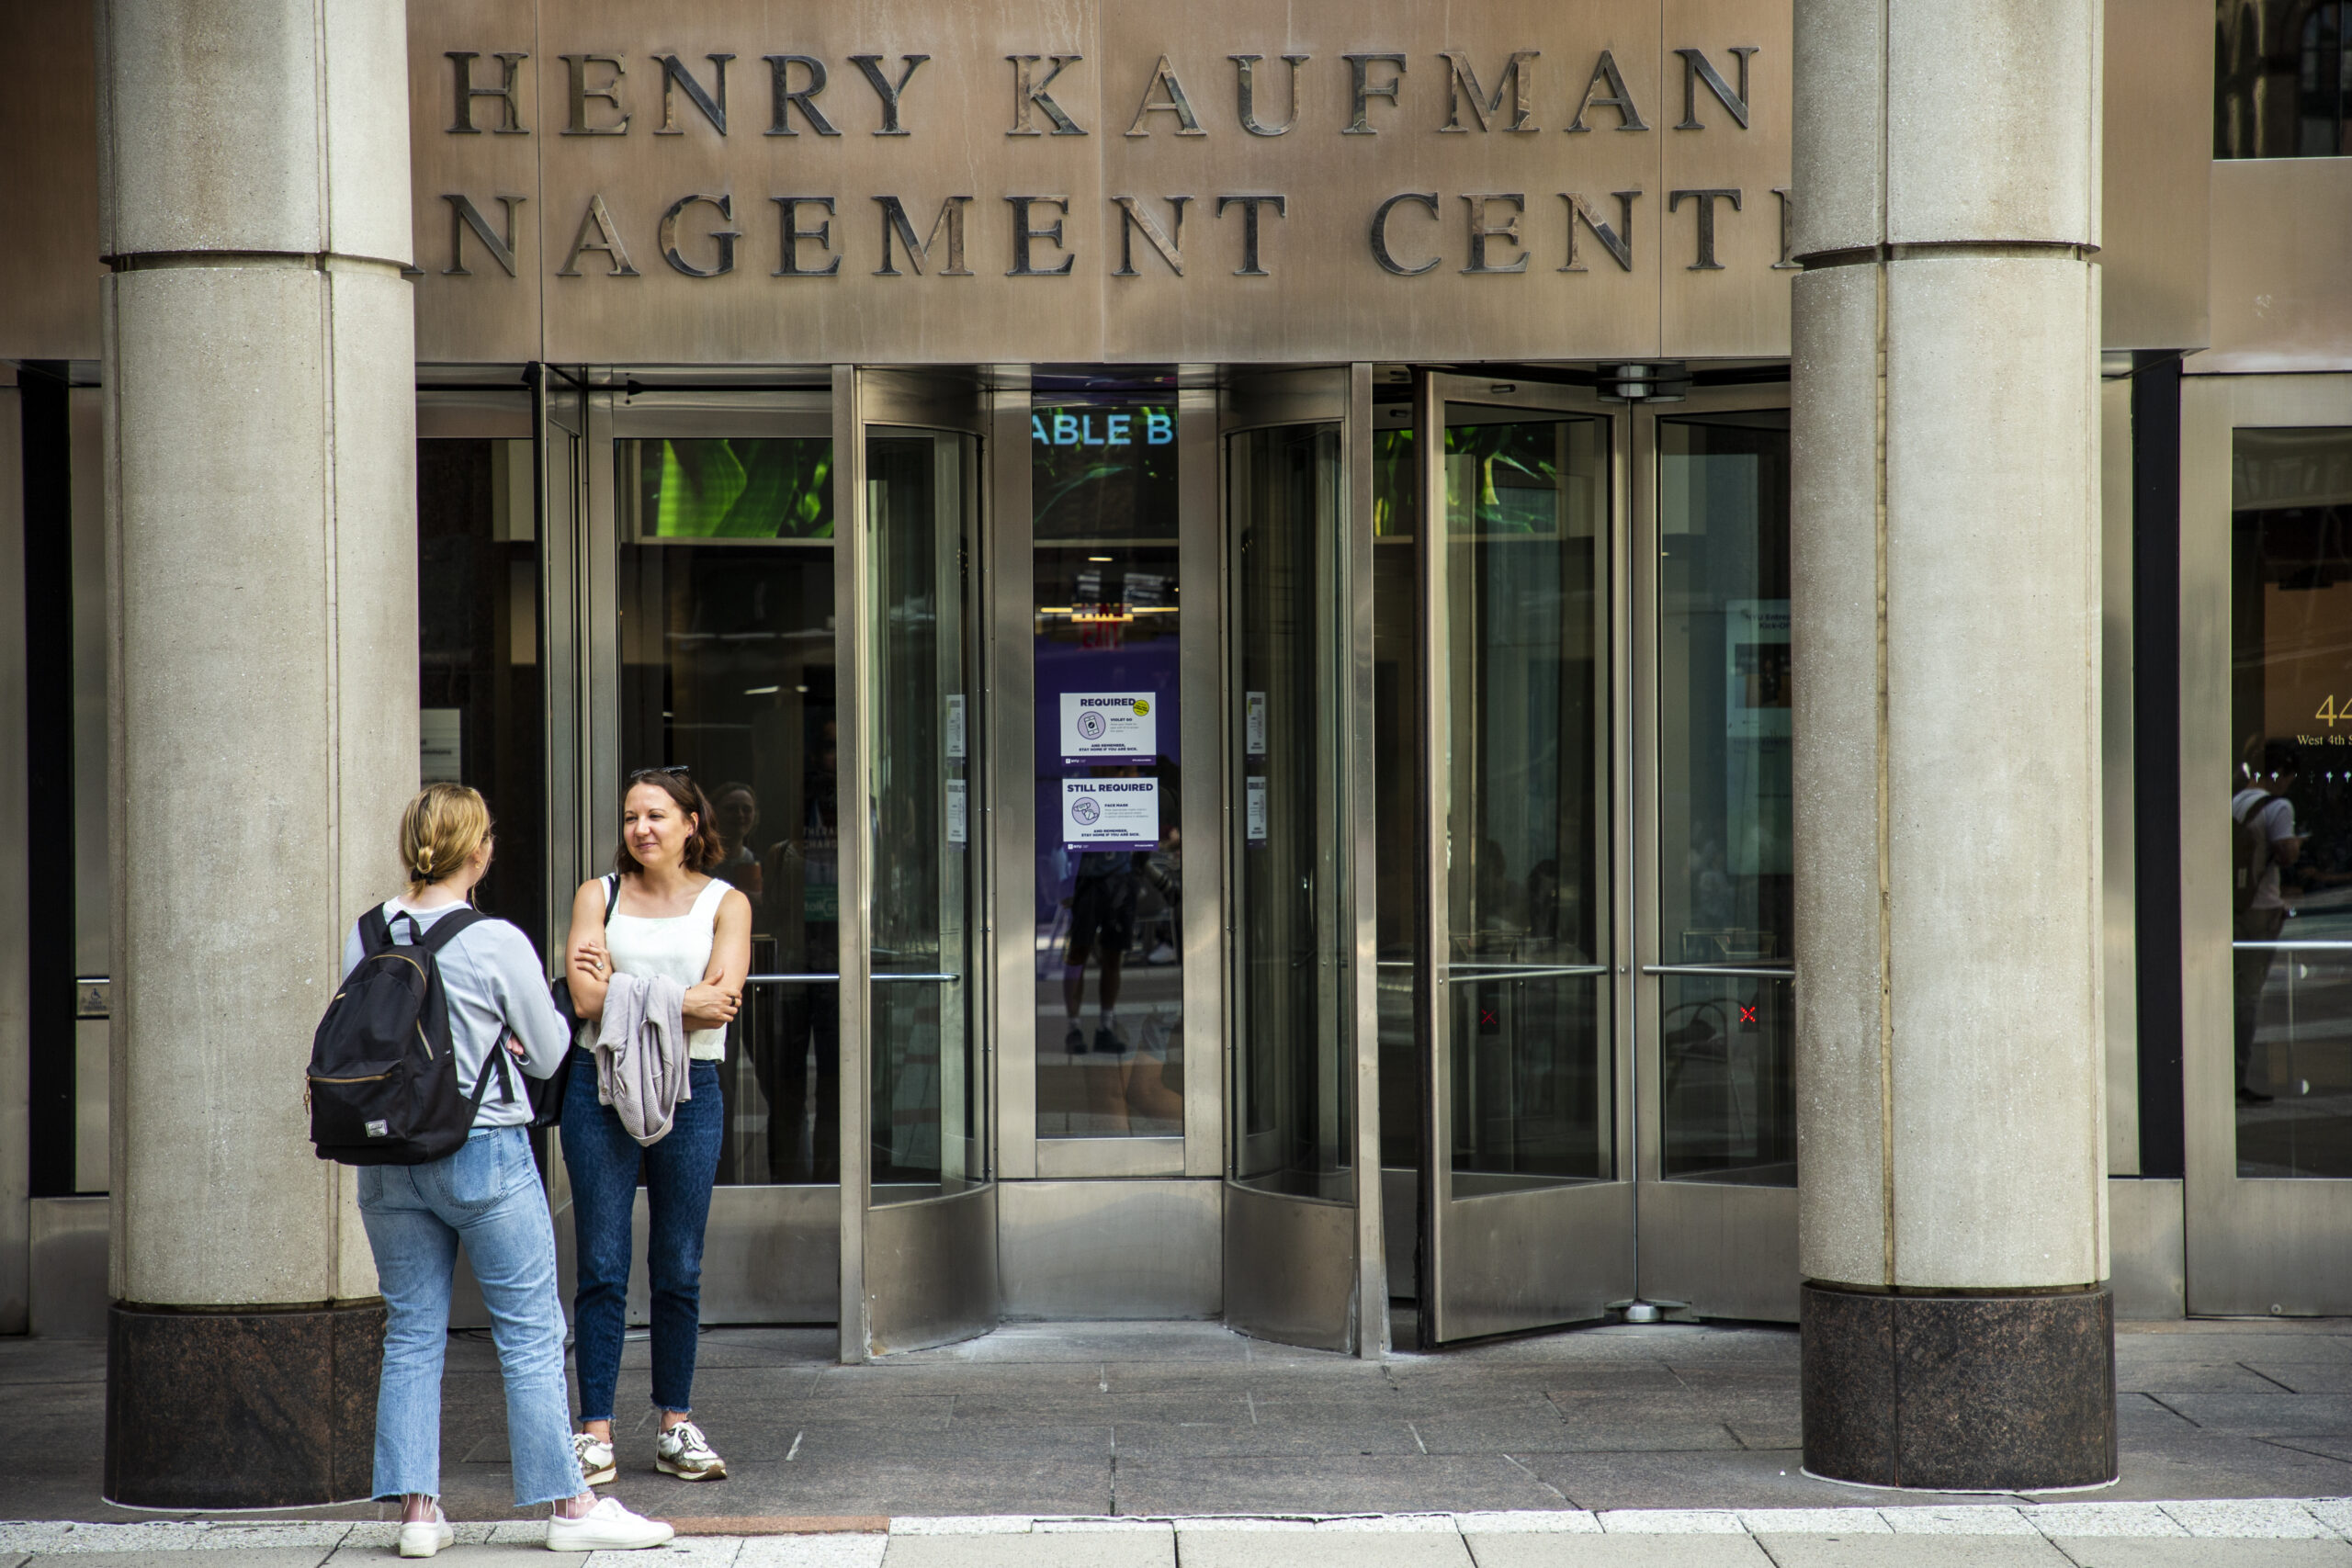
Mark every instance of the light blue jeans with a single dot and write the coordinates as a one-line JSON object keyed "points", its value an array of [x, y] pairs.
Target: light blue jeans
{"points": [[487, 1195]]}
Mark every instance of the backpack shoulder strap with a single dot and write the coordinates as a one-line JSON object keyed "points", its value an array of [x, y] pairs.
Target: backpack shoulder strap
{"points": [[446, 930], [375, 931], [612, 895]]}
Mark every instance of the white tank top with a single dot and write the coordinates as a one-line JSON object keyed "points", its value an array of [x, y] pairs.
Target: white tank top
{"points": [[677, 947]]}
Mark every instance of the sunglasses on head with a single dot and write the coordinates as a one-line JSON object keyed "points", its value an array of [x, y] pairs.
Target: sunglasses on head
{"points": [[679, 771]]}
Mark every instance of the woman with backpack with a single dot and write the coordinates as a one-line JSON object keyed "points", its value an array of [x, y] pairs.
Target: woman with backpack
{"points": [[660, 916], [486, 1195]]}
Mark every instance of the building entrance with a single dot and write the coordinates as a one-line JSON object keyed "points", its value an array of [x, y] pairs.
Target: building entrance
{"points": [[1256, 846]]}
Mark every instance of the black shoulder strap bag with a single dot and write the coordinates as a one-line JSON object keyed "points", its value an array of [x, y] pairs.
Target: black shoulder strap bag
{"points": [[547, 1093]]}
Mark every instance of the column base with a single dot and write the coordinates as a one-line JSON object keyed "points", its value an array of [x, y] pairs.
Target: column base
{"points": [[1984, 1393], [242, 1409]]}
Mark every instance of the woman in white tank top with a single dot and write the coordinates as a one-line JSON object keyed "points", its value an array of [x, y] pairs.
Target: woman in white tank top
{"points": [[670, 918]]}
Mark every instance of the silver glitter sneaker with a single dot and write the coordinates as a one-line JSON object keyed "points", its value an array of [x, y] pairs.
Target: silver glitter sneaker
{"points": [[684, 1453]]}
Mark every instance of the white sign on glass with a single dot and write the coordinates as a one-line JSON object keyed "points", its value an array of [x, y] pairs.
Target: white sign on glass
{"points": [[1111, 814], [1253, 722], [958, 827], [1110, 726], [1253, 811], [955, 726]]}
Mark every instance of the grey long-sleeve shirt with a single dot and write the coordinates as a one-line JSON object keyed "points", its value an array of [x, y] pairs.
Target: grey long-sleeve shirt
{"points": [[492, 979]]}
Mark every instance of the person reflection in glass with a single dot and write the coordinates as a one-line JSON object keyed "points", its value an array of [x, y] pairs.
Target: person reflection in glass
{"points": [[737, 809], [2265, 843], [802, 882], [1102, 925]]}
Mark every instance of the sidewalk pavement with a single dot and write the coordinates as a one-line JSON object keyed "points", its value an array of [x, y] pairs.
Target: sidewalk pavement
{"points": [[2278, 1534], [1176, 1420]]}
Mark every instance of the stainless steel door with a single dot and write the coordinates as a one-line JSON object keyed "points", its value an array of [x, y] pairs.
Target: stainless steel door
{"points": [[919, 1211], [1715, 1122], [1520, 977], [1303, 1252], [2266, 959]]}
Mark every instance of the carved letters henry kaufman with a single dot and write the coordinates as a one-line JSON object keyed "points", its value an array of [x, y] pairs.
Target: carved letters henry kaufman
{"points": [[703, 227]]}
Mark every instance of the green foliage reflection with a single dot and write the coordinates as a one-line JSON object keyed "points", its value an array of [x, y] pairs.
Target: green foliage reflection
{"points": [[738, 489]]}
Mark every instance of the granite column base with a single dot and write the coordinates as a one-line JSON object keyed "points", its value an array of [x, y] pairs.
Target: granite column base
{"points": [[1959, 1392], [242, 1409]]}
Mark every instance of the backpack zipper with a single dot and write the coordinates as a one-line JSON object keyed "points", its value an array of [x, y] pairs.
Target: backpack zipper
{"points": [[370, 1078]]}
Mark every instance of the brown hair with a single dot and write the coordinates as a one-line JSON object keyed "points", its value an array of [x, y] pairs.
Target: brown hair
{"points": [[442, 828], [701, 851]]}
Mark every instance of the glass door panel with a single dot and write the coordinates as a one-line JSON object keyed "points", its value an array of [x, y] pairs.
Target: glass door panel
{"points": [[1519, 984], [2266, 834], [1293, 1041], [1725, 1023], [918, 1213], [925, 1058], [726, 602], [1110, 765], [2290, 809]]}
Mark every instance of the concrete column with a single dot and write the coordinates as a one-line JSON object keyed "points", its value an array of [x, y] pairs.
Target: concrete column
{"points": [[1957, 1329], [260, 492]]}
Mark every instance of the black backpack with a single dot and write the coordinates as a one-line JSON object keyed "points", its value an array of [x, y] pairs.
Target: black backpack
{"points": [[383, 1082]]}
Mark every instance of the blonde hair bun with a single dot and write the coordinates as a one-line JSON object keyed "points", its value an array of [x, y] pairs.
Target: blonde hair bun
{"points": [[442, 828]]}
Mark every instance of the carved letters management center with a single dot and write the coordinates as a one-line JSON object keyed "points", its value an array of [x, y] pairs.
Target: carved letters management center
{"points": [[703, 233]]}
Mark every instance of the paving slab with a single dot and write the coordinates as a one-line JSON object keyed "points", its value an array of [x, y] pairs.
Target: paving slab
{"points": [[1958, 1519], [178, 1557], [513, 1554], [686, 1552], [2304, 1377], [2028, 1551], [1324, 1548], [1137, 1440], [2241, 1520], [804, 1551], [2179, 1552], [2081, 1520], [1814, 1521], [1362, 1483], [1120, 1549], [1616, 1552]]}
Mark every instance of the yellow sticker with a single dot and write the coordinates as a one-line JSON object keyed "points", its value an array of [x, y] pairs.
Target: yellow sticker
{"points": [[1143, 706]]}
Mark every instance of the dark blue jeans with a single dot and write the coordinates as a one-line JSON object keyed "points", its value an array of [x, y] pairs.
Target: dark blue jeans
{"points": [[602, 1161]]}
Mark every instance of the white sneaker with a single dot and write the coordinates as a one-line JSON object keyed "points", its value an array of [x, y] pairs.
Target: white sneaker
{"points": [[607, 1527], [684, 1453], [423, 1538], [596, 1457]]}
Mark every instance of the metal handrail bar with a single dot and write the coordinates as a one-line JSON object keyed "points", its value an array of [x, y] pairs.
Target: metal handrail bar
{"points": [[1475, 972], [2311, 944], [829, 979], [1731, 971]]}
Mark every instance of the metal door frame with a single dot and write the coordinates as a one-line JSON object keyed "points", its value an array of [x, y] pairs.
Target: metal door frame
{"points": [[767, 1247], [1310, 1270], [2255, 1246], [924, 1273], [1717, 1250], [1599, 1273], [1011, 651]]}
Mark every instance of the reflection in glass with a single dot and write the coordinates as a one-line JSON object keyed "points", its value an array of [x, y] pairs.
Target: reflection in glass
{"points": [[727, 667], [1728, 1101], [1109, 946], [2290, 806], [2282, 79], [478, 657], [1291, 1002], [1396, 730], [925, 1072], [1523, 580]]}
